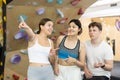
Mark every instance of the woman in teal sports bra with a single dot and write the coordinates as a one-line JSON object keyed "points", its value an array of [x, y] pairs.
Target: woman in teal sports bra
{"points": [[71, 53]]}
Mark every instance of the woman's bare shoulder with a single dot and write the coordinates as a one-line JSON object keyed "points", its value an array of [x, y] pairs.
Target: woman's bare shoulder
{"points": [[61, 37]]}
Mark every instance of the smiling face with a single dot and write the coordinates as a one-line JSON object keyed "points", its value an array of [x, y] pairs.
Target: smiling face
{"points": [[47, 28], [73, 29]]}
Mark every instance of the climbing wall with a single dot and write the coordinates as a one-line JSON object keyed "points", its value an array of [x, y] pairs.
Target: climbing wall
{"points": [[60, 13], [16, 66]]}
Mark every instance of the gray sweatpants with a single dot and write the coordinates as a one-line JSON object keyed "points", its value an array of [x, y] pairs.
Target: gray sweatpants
{"points": [[40, 73]]}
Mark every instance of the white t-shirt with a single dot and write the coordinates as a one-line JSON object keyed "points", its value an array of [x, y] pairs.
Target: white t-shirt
{"points": [[100, 53]]}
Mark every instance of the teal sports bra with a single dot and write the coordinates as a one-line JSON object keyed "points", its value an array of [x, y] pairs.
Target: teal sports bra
{"points": [[64, 52]]}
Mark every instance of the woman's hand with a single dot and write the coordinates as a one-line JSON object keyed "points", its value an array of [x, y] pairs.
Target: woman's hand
{"points": [[70, 60], [88, 74], [23, 25], [53, 57], [56, 70], [53, 51]]}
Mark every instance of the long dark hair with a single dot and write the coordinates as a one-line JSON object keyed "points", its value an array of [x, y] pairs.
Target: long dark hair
{"points": [[43, 22]]}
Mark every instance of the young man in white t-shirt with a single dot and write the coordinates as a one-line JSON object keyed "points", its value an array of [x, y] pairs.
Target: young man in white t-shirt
{"points": [[99, 55]]}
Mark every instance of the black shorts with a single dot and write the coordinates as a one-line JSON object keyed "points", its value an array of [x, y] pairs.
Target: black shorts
{"points": [[97, 78]]}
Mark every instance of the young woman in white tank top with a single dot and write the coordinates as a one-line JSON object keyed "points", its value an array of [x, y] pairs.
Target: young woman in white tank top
{"points": [[39, 47]]}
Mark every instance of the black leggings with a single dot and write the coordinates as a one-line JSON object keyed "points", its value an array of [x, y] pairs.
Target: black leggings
{"points": [[97, 78]]}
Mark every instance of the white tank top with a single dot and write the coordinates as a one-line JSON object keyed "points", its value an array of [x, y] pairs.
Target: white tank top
{"points": [[38, 53]]}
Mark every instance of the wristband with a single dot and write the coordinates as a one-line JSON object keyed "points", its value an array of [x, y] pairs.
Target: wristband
{"points": [[103, 66]]}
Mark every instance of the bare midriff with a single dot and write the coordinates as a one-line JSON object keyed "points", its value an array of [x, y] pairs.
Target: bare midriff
{"points": [[38, 64]]}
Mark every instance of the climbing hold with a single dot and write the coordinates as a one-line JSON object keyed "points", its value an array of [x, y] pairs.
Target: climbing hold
{"points": [[24, 18], [21, 35], [74, 2], [80, 12], [24, 51], [117, 24], [60, 13], [50, 1], [15, 59], [40, 11], [62, 21], [16, 77], [59, 1]]}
